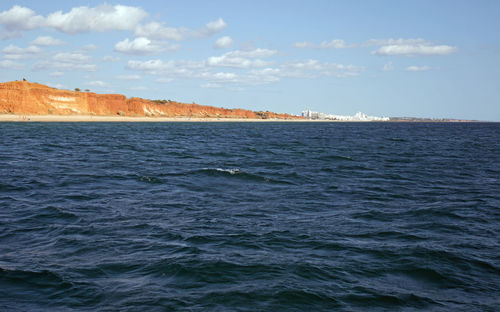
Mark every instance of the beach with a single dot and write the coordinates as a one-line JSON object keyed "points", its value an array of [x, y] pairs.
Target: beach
{"points": [[91, 118]]}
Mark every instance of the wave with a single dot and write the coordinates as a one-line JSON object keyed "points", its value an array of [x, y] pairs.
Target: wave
{"points": [[336, 157], [237, 173]]}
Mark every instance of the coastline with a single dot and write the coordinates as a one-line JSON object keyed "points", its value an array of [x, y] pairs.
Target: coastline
{"points": [[109, 118], [92, 118]]}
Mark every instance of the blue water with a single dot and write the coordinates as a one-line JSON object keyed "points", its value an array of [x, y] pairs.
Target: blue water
{"points": [[249, 216]]}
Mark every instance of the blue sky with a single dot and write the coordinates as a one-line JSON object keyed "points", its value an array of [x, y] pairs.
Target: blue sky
{"points": [[386, 58]]}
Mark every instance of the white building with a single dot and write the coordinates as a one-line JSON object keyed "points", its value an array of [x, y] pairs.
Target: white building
{"points": [[358, 117]]}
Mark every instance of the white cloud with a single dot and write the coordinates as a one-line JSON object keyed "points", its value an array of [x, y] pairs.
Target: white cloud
{"points": [[129, 77], [211, 28], [67, 61], [138, 46], [304, 45], [143, 46], [408, 47], [90, 47], [223, 42], [241, 59], [184, 69], [415, 50], [211, 85], [314, 68], [164, 80], [224, 76], [391, 41], [78, 20], [97, 83], [110, 58], [307, 69], [155, 30], [71, 57], [16, 53], [56, 85], [19, 19], [47, 41], [138, 88], [64, 66], [418, 68], [56, 74], [334, 44], [236, 62], [8, 64], [252, 53], [388, 67], [104, 17]]}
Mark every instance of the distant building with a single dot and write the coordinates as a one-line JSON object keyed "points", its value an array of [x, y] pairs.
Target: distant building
{"points": [[358, 117]]}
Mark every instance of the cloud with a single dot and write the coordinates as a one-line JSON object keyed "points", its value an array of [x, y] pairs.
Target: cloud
{"points": [[78, 20], [56, 74], [223, 43], [235, 62], [408, 47], [110, 58], [253, 53], [19, 19], [90, 47], [334, 44], [211, 85], [185, 69], [211, 28], [415, 50], [418, 68], [388, 67], [97, 83], [391, 41], [314, 68], [203, 70], [155, 30], [304, 45], [138, 46], [129, 77], [164, 80], [67, 61], [13, 52], [47, 41], [71, 57], [102, 18], [64, 66], [56, 85], [241, 59], [8, 64]]}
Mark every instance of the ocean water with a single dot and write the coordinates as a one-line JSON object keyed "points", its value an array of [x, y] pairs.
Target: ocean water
{"points": [[249, 216]]}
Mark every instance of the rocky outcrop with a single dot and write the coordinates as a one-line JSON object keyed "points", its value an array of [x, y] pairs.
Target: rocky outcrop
{"points": [[26, 98]]}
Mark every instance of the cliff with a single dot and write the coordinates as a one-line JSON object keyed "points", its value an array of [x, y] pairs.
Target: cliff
{"points": [[27, 98]]}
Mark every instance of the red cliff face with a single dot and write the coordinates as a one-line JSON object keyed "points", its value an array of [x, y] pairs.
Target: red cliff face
{"points": [[26, 98]]}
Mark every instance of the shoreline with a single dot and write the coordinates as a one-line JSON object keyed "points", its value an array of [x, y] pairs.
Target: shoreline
{"points": [[92, 118]]}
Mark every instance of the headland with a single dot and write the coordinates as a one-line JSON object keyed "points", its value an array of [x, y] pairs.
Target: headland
{"points": [[27, 101]]}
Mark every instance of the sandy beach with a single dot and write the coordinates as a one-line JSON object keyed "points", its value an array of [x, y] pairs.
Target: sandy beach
{"points": [[87, 118]]}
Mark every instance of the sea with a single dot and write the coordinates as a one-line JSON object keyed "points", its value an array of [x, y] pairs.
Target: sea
{"points": [[236, 216]]}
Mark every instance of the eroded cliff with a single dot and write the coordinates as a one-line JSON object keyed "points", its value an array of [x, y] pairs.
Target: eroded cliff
{"points": [[27, 98]]}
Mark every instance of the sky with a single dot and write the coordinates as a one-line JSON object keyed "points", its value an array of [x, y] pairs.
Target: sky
{"points": [[434, 59]]}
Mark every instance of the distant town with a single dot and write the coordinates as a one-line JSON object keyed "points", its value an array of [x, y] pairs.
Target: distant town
{"points": [[359, 116]]}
